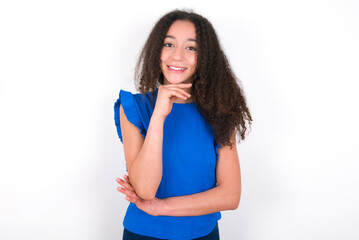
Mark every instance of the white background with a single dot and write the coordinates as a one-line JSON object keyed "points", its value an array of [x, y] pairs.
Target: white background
{"points": [[62, 64]]}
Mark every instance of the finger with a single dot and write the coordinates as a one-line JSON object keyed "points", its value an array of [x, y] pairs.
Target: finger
{"points": [[184, 92], [130, 185], [133, 200], [125, 184], [178, 94], [174, 90], [180, 90], [127, 192], [126, 178]]}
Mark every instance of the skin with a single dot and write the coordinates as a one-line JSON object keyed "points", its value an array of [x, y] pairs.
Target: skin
{"points": [[179, 52], [141, 153], [140, 186]]}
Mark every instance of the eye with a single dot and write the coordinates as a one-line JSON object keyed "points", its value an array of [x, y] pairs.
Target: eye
{"points": [[168, 45], [192, 48]]}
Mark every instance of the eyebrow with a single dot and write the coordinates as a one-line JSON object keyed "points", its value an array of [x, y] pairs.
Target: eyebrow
{"points": [[189, 39]]}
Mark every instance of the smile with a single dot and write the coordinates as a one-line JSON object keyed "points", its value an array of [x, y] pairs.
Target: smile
{"points": [[177, 69]]}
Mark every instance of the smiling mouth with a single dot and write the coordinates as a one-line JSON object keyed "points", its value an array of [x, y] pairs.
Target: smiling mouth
{"points": [[177, 69]]}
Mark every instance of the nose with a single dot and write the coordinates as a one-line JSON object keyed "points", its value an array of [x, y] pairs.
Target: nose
{"points": [[177, 54]]}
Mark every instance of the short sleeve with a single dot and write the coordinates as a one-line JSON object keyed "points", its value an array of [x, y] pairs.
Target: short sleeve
{"points": [[131, 110]]}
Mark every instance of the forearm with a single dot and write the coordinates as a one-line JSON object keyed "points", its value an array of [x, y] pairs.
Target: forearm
{"points": [[210, 201], [146, 171]]}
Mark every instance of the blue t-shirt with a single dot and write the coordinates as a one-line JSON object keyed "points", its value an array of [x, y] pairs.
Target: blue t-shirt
{"points": [[189, 161]]}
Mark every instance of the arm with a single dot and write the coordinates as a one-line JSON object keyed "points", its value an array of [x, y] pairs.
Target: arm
{"points": [[142, 153], [225, 196]]}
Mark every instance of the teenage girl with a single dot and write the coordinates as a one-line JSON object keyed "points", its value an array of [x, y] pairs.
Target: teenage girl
{"points": [[179, 133]]}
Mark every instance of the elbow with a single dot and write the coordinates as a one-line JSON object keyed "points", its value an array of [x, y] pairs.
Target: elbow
{"points": [[236, 197], [144, 189], [234, 204], [231, 196], [233, 199], [147, 197], [145, 194]]}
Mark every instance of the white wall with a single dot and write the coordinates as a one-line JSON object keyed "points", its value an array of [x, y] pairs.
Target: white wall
{"points": [[62, 64]]}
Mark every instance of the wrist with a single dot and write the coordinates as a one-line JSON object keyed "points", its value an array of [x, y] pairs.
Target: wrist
{"points": [[164, 209], [158, 117]]}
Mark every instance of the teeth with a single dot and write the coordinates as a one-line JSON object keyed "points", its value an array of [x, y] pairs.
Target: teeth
{"points": [[176, 68]]}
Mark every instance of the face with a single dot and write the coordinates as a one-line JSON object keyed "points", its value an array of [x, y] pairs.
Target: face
{"points": [[179, 53]]}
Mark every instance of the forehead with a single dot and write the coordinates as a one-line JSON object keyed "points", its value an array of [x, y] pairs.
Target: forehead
{"points": [[182, 29]]}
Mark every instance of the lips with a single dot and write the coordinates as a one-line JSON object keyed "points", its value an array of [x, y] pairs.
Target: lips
{"points": [[176, 69]]}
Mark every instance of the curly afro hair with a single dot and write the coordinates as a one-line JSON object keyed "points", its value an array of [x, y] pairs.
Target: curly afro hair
{"points": [[216, 90]]}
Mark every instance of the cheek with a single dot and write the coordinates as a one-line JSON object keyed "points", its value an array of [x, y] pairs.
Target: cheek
{"points": [[194, 61], [164, 56]]}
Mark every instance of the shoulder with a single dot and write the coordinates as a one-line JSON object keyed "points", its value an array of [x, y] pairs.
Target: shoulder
{"points": [[132, 109], [139, 99], [137, 108]]}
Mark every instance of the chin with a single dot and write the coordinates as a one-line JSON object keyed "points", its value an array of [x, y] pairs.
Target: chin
{"points": [[176, 81]]}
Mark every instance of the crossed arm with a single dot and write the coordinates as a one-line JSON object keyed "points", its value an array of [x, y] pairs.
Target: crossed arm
{"points": [[225, 196]]}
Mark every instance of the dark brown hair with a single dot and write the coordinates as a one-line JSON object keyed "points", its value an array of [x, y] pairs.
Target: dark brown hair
{"points": [[216, 90]]}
